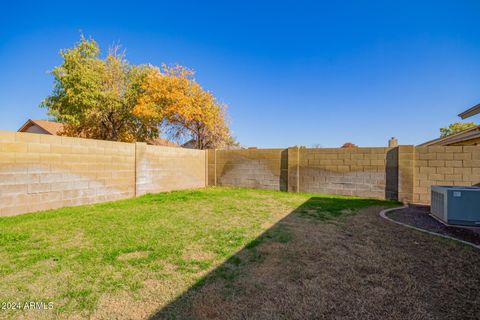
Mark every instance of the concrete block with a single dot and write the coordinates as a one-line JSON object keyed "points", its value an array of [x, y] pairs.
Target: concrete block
{"points": [[445, 156], [15, 147], [462, 156], [7, 157], [470, 163], [437, 163], [454, 163], [454, 149], [7, 136]]}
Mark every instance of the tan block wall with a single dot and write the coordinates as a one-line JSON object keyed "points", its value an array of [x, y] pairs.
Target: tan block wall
{"points": [[166, 168], [211, 167], [444, 165], [349, 171], [368, 172], [252, 168], [39, 172], [406, 173], [293, 163]]}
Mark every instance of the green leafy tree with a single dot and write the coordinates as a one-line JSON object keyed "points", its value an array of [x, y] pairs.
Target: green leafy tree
{"points": [[95, 97], [456, 127]]}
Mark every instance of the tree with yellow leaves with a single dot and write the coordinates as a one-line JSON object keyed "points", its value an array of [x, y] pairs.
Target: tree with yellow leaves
{"points": [[110, 99], [184, 108]]}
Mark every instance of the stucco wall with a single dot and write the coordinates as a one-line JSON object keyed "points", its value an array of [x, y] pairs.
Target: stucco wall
{"points": [[36, 129]]}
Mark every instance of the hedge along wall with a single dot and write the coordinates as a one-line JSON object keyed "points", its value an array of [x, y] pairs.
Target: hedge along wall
{"points": [[167, 168], [40, 172]]}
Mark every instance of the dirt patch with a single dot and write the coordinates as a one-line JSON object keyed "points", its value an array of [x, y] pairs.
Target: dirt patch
{"points": [[419, 216], [196, 252], [169, 267], [139, 305], [362, 268], [133, 255]]}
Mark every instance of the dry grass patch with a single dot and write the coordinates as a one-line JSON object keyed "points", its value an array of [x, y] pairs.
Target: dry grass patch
{"points": [[131, 258], [197, 252], [360, 267], [133, 255]]}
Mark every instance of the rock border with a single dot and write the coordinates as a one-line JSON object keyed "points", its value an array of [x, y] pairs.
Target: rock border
{"points": [[384, 212]]}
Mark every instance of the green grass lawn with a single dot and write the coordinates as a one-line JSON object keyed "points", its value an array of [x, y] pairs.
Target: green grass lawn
{"points": [[142, 253]]}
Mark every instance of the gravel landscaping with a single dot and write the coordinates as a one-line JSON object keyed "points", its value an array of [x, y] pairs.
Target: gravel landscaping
{"points": [[419, 217]]}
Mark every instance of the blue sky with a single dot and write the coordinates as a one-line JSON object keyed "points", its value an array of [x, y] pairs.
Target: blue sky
{"points": [[292, 73]]}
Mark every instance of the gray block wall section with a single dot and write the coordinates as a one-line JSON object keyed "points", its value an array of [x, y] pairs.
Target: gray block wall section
{"points": [[366, 172], [401, 172]]}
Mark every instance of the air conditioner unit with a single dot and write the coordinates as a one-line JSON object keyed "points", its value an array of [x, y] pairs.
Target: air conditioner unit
{"points": [[456, 205]]}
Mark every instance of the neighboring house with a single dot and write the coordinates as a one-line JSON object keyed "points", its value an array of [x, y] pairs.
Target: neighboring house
{"points": [[470, 112], [162, 142], [349, 145], [42, 127], [190, 144], [469, 137], [55, 128]]}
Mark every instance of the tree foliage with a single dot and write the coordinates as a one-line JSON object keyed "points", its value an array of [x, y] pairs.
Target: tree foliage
{"points": [[456, 127], [112, 99], [184, 108], [95, 97]]}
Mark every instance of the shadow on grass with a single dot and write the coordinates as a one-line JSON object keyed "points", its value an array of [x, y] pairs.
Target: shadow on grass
{"points": [[264, 279]]}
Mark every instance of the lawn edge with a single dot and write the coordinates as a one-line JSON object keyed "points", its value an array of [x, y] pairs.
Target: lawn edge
{"points": [[384, 212]]}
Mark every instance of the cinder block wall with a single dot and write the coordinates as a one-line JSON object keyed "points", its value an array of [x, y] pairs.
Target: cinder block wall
{"points": [[39, 172], [252, 168], [369, 172], [439, 165], [211, 167], [166, 169], [404, 172], [349, 171]]}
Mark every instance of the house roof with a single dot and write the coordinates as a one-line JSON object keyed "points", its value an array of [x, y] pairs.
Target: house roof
{"points": [[470, 112], [468, 134], [349, 145], [162, 142], [190, 144], [50, 127]]}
